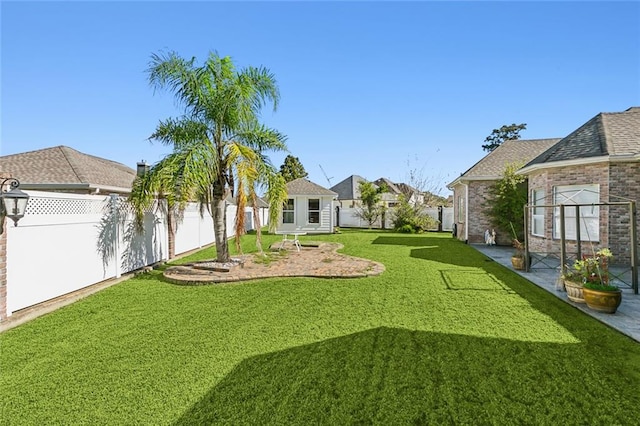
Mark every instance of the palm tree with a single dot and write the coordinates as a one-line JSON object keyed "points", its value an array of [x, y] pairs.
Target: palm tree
{"points": [[218, 144]]}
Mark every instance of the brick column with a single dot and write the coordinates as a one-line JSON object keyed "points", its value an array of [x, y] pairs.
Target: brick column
{"points": [[3, 262]]}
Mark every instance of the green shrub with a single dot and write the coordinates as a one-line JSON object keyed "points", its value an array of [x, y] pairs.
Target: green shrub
{"points": [[405, 214], [407, 229]]}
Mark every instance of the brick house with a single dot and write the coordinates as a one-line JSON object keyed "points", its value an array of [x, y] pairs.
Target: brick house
{"points": [[597, 163], [470, 190]]}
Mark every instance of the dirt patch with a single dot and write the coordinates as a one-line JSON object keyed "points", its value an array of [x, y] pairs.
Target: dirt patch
{"points": [[313, 260]]}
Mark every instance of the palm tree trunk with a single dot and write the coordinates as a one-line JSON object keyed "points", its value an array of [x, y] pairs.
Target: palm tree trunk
{"points": [[219, 214], [171, 227]]}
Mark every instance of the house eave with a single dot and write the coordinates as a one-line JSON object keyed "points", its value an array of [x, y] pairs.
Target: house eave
{"points": [[462, 180], [580, 162], [89, 187]]}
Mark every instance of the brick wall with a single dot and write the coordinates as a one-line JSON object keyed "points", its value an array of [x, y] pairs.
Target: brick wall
{"points": [[3, 262], [624, 181], [621, 179], [478, 200]]}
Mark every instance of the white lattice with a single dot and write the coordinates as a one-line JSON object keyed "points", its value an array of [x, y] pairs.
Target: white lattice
{"points": [[58, 206]]}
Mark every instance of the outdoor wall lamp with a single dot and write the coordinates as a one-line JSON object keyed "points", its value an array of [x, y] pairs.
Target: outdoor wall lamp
{"points": [[14, 202]]}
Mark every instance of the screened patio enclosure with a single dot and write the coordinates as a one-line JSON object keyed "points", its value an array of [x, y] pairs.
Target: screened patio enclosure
{"points": [[559, 233]]}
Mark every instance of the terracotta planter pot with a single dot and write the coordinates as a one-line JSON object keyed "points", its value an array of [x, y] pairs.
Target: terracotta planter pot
{"points": [[574, 291], [602, 301], [517, 262]]}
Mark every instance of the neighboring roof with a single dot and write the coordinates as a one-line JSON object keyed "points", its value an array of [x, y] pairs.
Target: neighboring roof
{"points": [[65, 167], [391, 187], [349, 189], [407, 190], [492, 165], [304, 186], [614, 134], [259, 201]]}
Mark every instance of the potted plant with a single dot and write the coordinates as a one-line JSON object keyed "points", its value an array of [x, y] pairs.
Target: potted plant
{"points": [[599, 294], [517, 258], [573, 282]]}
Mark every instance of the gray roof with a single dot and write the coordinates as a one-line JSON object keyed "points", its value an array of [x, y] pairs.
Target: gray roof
{"points": [[261, 203], [304, 186], [391, 187], [64, 165], [512, 151], [606, 134], [349, 188]]}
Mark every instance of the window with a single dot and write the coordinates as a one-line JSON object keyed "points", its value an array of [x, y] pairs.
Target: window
{"points": [[461, 209], [589, 215], [288, 212], [314, 210], [537, 213]]}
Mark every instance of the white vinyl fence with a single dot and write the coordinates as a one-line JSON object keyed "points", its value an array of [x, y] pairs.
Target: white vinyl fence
{"points": [[349, 219], [66, 242]]}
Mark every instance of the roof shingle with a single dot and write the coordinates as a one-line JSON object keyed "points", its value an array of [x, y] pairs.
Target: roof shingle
{"points": [[304, 186], [512, 151], [64, 165], [606, 134]]}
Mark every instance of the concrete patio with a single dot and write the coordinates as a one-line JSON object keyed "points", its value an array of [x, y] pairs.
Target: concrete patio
{"points": [[626, 319]]}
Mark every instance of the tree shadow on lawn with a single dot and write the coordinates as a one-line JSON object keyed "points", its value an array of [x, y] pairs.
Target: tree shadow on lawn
{"points": [[443, 250], [398, 376], [479, 272]]}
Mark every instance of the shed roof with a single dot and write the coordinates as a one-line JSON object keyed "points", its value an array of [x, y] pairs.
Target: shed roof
{"points": [[303, 186], [64, 165]]}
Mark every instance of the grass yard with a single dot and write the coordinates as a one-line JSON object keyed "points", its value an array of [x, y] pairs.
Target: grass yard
{"points": [[443, 336]]}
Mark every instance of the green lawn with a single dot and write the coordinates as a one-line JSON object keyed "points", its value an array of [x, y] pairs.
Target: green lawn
{"points": [[442, 336]]}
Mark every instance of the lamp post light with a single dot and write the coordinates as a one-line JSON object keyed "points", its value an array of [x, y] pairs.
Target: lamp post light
{"points": [[14, 202]]}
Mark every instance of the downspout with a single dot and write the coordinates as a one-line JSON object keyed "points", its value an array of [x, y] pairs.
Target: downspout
{"points": [[466, 212]]}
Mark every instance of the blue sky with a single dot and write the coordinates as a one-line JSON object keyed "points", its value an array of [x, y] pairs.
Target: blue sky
{"points": [[367, 88]]}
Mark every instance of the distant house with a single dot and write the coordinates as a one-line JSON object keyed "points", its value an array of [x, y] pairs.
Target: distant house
{"points": [[395, 190], [470, 190], [63, 169], [348, 191], [597, 163], [309, 208]]}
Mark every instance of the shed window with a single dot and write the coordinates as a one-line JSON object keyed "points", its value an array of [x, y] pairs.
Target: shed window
{"points": [[314, 210], [288, 211]]}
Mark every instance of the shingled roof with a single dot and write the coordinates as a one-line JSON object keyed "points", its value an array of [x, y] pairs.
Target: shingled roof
{"points": [[62, 167], [611, 135], [349, 188], [304, 186], [492, 165]]}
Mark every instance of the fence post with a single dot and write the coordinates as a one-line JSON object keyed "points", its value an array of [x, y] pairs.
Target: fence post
{"points": [[563, 249], [116, 223]]}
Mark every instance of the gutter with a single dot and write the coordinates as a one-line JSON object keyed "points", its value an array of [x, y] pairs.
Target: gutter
{"points": [[88, 187]]}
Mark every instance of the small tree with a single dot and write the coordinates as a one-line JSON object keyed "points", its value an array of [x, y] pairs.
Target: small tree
{"points": [[507, 198], [504, 133], [292, 169], [411, 218], [370, 195]]}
